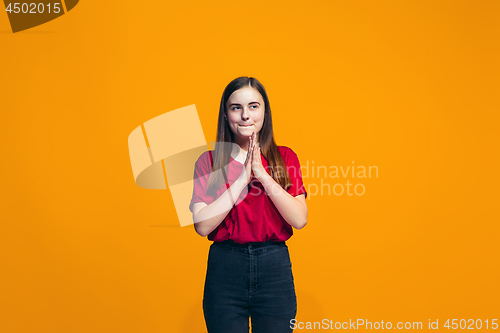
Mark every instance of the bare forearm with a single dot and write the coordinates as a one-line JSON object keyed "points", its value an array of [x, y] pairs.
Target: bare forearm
{"points": [[209, 217], [292, 210]]}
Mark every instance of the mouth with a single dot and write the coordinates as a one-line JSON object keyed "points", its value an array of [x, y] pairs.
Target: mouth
{"points": [[245, 125]]}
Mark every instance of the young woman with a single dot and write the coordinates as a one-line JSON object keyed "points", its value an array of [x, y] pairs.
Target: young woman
{"points": [[248, 195]]}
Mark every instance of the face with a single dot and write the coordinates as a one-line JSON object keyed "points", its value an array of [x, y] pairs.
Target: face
{"points": [[245, 113]]}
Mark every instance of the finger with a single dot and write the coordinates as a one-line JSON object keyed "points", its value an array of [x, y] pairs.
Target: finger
{"points": [[248, 157], [250, 154]]}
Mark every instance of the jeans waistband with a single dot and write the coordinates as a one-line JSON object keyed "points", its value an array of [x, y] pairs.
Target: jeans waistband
{"points": [[250, 245]]}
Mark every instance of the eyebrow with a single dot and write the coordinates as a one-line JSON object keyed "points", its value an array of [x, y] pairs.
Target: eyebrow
{"points": [[240, 104]]}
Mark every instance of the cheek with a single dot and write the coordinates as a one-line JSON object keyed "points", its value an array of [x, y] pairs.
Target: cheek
{"points": [[261, 120], [259, 127]]}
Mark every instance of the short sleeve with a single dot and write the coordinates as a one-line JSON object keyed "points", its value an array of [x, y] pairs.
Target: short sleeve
{"points": [[202, 170], [293, 168]]}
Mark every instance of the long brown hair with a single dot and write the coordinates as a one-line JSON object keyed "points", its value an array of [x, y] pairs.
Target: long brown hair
{"points": [[222, 152]]}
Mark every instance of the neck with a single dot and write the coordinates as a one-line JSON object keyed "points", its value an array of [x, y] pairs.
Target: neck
{"points": [[243, 142]]}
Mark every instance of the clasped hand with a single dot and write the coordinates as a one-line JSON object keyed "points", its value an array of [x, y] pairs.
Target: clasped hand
{"points": [[253, 163]]}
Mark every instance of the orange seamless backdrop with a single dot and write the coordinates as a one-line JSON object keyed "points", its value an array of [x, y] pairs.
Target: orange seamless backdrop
{"points": [[409, 87]]}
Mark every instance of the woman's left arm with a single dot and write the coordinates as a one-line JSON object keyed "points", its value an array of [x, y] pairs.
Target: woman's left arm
{"points": [[293, 209]]}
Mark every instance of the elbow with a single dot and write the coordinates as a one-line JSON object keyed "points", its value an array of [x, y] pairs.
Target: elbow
{"points": [[303, 221], [201, 229], [301, 224], [198, 226]]}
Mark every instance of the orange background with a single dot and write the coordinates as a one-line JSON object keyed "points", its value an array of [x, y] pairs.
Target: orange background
{"points": [[409, 87]]}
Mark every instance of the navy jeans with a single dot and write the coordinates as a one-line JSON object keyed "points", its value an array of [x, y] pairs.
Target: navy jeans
{"points": [[249, 280]]}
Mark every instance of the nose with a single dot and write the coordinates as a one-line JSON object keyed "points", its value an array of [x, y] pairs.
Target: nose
{"points": [[244, 113]]}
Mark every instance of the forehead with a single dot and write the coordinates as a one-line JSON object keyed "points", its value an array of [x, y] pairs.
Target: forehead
{"points": [[245, 96]]}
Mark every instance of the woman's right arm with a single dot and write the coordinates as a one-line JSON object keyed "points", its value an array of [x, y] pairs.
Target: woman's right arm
{"points": [[207, 217]]}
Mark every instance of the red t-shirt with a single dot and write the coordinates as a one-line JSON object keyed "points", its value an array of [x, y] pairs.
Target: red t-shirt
{"points": [[256, 218]]}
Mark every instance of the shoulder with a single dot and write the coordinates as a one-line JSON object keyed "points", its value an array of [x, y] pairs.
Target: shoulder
{"points": [[206, 155], [205, 159], [289, 156], [286, 151]]}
